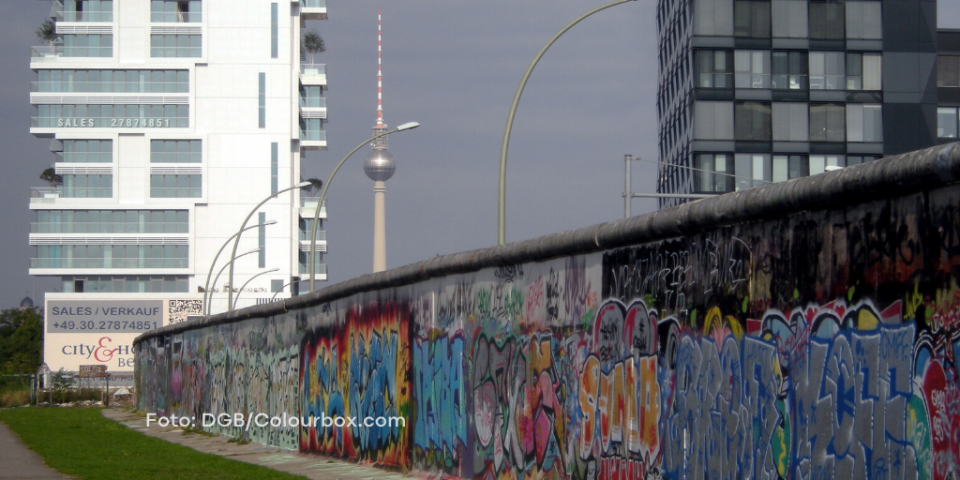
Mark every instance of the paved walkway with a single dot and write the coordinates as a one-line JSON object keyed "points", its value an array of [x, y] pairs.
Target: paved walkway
{"points": [[310, 466], [19, 462]]}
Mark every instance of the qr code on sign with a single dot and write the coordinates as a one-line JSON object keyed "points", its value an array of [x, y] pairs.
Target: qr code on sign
{"points": [[178, 310]]}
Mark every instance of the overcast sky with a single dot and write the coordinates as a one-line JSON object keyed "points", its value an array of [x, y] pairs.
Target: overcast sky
{"points": [[453, 66]]}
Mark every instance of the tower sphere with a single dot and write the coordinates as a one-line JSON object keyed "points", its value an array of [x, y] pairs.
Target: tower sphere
{"points": [[379, 165]]}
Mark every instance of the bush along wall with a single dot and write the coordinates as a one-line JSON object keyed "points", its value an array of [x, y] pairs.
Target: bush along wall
{"points": [[808, 329]]}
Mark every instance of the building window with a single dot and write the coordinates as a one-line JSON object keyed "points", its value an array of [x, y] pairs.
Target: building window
{"points": [[175, 151], [946, 122], [112, 116], [111, 221], [786, 167], [790, 122], [312, 97], [823, 163], [714, 68], [110, 256], [87, 11], [175, 186], [863, 21], [176, 11], [827, 123], [274, 167], [713, 18], [113, 81], [274, 27], [858, 159], [713, 120], [86, 186], [311, 129], [826, 21], [864, 71], [753, 170], [171, 46], [276, 286], [306, 228], [320, 268], [124, 284], [752, 121], [262, 99], [948, 71], [752, 69], [789, 18], [751, 19], [84, 45], [714, 173], [262, 239], [864, 122], [86, 151], [827, 71], [789, 70]]}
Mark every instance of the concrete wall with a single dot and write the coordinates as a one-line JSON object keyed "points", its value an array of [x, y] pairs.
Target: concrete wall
{"points": [[809, 329]]}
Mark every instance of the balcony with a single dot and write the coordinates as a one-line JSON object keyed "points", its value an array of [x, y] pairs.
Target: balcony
{"points": [[313, 74], [308, 205], [312, 9], [44, 195], [50, 53], [105, 16], [101, 262], [313, 139], [321, 274], [108, 227]]}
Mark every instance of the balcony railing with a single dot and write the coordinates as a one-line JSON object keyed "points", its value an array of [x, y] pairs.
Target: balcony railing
{"points": [[313, 135], [109, 87], [50, 194], [176, 17], [789, 82], [311, 202], [43, 52], [752, 80], [313, 68], [305, 235], [85, 16], [828, 82], [321, 269], [313, 102], [43, 194], [108, 227], [313, 3], [108, 262]]}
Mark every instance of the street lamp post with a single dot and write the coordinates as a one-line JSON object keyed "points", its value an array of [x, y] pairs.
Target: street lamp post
{"points": [[224, 267], [206, 285], [248, 282], [501, 230], [323, 193], [236, 241]]}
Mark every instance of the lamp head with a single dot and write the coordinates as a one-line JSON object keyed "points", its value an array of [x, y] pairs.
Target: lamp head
{"points": [[408, 126], [303, 185]]}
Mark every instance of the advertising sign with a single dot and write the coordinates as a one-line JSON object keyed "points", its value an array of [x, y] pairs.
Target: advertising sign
{"points": [[93, 371], [101, 332]]}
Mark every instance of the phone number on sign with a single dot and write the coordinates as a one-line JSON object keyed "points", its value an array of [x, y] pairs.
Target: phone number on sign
{"points": [[93, 325]]}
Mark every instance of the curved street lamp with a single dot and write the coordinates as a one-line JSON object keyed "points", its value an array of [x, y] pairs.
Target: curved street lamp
{"points": [[255, 250], [236, 241], [501, 219], [248, 282], [206, 285], [323, 193]]}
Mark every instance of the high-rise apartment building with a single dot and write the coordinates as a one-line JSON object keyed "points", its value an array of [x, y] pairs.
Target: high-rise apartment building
{"points": [[169, 120], [754, 91]]}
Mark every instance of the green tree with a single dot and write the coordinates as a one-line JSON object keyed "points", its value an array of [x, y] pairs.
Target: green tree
{"points": [[48, 32], [50, 176], [62, 380], [21, 343], [313, 43]]}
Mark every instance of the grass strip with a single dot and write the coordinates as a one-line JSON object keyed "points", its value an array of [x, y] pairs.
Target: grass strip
{"points": [[81, 442]]}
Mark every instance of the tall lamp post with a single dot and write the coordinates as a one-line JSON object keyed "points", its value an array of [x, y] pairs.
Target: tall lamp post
{"points": [[236, 241], [214, 284], [248, 282], [206, 285], [323, 193], [501, 219]]}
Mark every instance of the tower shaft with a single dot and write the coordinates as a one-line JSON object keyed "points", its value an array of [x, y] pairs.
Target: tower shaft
{"points": [[379, 227]]}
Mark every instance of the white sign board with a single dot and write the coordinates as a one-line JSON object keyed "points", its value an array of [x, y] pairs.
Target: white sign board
{"points": [[101, 332]]}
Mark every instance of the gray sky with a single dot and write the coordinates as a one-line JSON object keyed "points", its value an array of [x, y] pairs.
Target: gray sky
{"points": [[453, 66]]}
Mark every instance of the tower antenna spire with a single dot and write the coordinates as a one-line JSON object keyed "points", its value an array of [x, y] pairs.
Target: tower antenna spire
{"points": [[379, 71]]}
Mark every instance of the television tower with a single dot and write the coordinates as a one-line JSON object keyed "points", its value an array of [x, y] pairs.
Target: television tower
{"points": [[379, 167]]}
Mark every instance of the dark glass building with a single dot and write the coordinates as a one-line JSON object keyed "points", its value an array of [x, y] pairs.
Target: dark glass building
{"points": [[754, 91]]}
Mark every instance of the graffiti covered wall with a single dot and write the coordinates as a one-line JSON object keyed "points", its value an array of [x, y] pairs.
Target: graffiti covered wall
{"points": [[820, 343]]}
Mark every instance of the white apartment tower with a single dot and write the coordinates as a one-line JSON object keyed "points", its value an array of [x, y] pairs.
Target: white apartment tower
{"points": [[169, 121]]}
